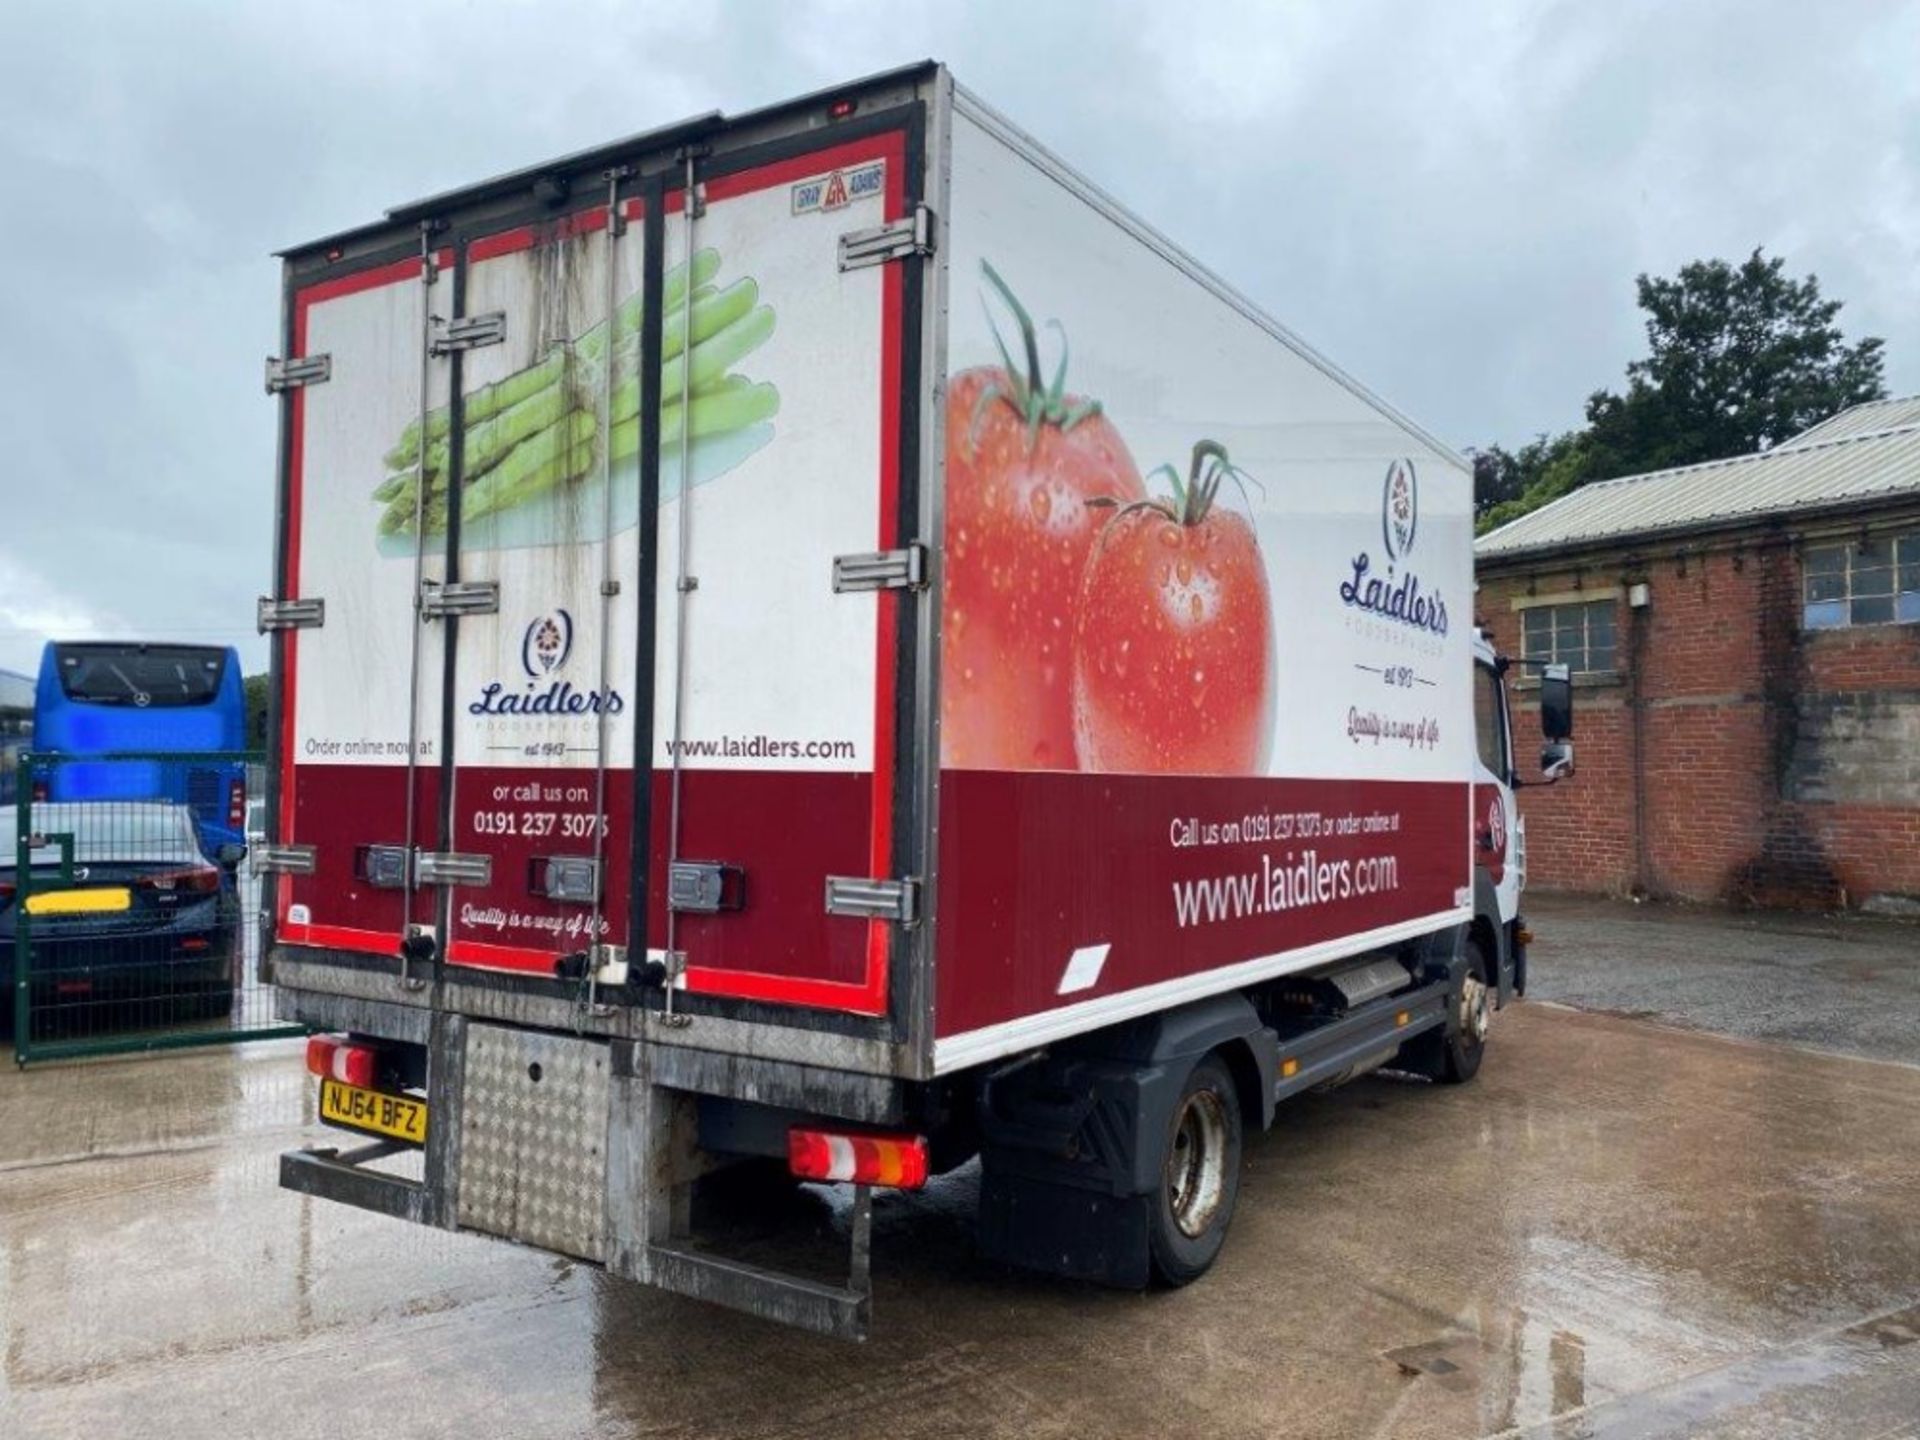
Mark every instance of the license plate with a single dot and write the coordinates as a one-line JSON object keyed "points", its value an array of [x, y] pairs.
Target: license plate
{"points": [[395, 1116], [103, 901]]}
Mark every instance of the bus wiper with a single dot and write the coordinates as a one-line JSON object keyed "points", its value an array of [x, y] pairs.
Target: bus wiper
{"points": [[140, 697]]}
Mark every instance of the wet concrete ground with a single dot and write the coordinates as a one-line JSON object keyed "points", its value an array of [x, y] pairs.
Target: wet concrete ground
{"points": [[1620, 1229], [1847, 984]]}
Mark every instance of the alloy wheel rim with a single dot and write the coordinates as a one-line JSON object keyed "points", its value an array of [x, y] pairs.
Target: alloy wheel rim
{"points": [[1475, 1017], [1196, 1163]]}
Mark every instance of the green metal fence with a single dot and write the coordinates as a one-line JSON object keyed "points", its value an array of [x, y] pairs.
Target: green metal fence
{"points": [[131, 908]]}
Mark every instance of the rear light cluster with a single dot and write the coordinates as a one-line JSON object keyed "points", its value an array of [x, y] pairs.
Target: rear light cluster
{"points": [[899, 1161], [332, 1058], [236, 804], [200, 880]]}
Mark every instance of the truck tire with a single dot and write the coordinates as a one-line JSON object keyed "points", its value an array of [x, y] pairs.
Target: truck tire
{"points": [[1200, 1175], [1464, 1041]]}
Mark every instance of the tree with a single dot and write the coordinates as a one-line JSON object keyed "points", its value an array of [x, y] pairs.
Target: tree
{"points": [[1526, 479], [1496, 478], [1739, 359], [256, 688]]}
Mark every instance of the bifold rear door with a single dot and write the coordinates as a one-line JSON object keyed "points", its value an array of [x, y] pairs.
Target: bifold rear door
{"points": [[776, 728], [360, 682], [667, 432], [542, 696]]}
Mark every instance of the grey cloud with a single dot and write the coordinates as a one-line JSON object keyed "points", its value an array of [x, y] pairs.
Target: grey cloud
{"points": [[1451, 201]]}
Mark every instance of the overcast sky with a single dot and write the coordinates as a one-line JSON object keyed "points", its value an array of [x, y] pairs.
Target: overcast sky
{"points": [[1450, 200]]}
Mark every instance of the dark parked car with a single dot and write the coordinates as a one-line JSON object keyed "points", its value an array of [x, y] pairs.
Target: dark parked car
{"points": [[145, 916]]}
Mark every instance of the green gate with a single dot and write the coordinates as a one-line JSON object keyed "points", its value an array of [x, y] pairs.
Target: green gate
{"points": [[135, 914]]}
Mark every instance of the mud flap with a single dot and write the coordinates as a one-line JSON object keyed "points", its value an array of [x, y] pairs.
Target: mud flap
{"points": [[1072, 1144], [1060, 1190]]}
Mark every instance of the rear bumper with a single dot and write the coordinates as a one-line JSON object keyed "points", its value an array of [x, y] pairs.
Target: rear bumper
{"points": [[334, 1174], [583, 1145], [319, 986], [151, 967]]}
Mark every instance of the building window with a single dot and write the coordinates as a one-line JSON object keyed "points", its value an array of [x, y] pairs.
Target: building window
{"points": [[1850, 583], [1577, 636]]}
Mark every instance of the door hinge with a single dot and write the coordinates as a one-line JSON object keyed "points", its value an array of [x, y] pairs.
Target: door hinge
{"points": [[283, 859], [460, 597], [470, 332], [300, 371], [449, 867], [272, 614], [903, 569], [897, 900], [909, 235]]}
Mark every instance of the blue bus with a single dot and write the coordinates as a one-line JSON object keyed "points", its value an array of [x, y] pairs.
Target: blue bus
{"points": [[120, 697]]}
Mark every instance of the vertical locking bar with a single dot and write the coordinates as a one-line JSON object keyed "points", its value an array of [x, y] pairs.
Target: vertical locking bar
{"points": [[608, 587], [682, 586], [419, 577]]}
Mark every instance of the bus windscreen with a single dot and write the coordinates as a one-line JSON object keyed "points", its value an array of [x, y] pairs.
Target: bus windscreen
{"points": [[144, 676]]}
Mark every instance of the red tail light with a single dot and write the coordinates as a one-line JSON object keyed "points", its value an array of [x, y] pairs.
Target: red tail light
{"points": [[899, 1161], [200, 880], [236, 804], [332, 1058]]}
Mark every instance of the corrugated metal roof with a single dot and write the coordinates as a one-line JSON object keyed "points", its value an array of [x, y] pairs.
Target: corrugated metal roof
{"points": [[1873, 416], [1803, 474]]}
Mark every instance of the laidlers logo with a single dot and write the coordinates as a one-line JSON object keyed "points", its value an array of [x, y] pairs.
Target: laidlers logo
{"points": [[545, 646], [840, 189], [1396, 596]]}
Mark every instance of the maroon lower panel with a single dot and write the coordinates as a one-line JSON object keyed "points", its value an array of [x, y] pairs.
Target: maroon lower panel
{"points": [[521, 816], [1174, 874], [786, 831], [338, 809]]}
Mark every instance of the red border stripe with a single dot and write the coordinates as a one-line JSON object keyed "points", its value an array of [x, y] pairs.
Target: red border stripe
{"points": [[339, 937], [867, 996], [519, 958], [525, 237]]}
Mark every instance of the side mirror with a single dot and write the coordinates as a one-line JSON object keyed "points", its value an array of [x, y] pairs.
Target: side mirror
{"points": [[1556, 703], [1556, 761], [230, 855]]}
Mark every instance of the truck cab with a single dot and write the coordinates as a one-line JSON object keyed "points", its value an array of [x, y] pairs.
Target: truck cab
{"points": [[1498, 830]]}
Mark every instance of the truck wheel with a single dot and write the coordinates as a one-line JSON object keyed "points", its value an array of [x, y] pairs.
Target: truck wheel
{"points": [[1465, 1040], [1200, 1175]]}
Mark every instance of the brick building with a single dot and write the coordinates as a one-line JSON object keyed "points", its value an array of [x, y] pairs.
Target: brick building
{"points": [[1745, 641]]}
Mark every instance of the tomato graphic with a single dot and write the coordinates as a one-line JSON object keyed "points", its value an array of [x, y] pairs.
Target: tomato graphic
{"points": [[1173, 643], [1024, 461]]}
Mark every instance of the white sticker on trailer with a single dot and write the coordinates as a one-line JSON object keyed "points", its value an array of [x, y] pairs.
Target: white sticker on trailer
{"points": [[840, 189]]}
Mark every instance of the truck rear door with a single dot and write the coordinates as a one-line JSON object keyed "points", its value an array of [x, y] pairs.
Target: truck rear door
{"points": [[541, 698], [775, 714], [745, 366], [359, 678]]}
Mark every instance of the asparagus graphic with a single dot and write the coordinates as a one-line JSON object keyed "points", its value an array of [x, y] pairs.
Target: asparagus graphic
{"points": [[534, 431]]}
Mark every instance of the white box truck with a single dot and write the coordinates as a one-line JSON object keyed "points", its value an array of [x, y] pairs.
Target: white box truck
{"points": [[815, 638]]}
